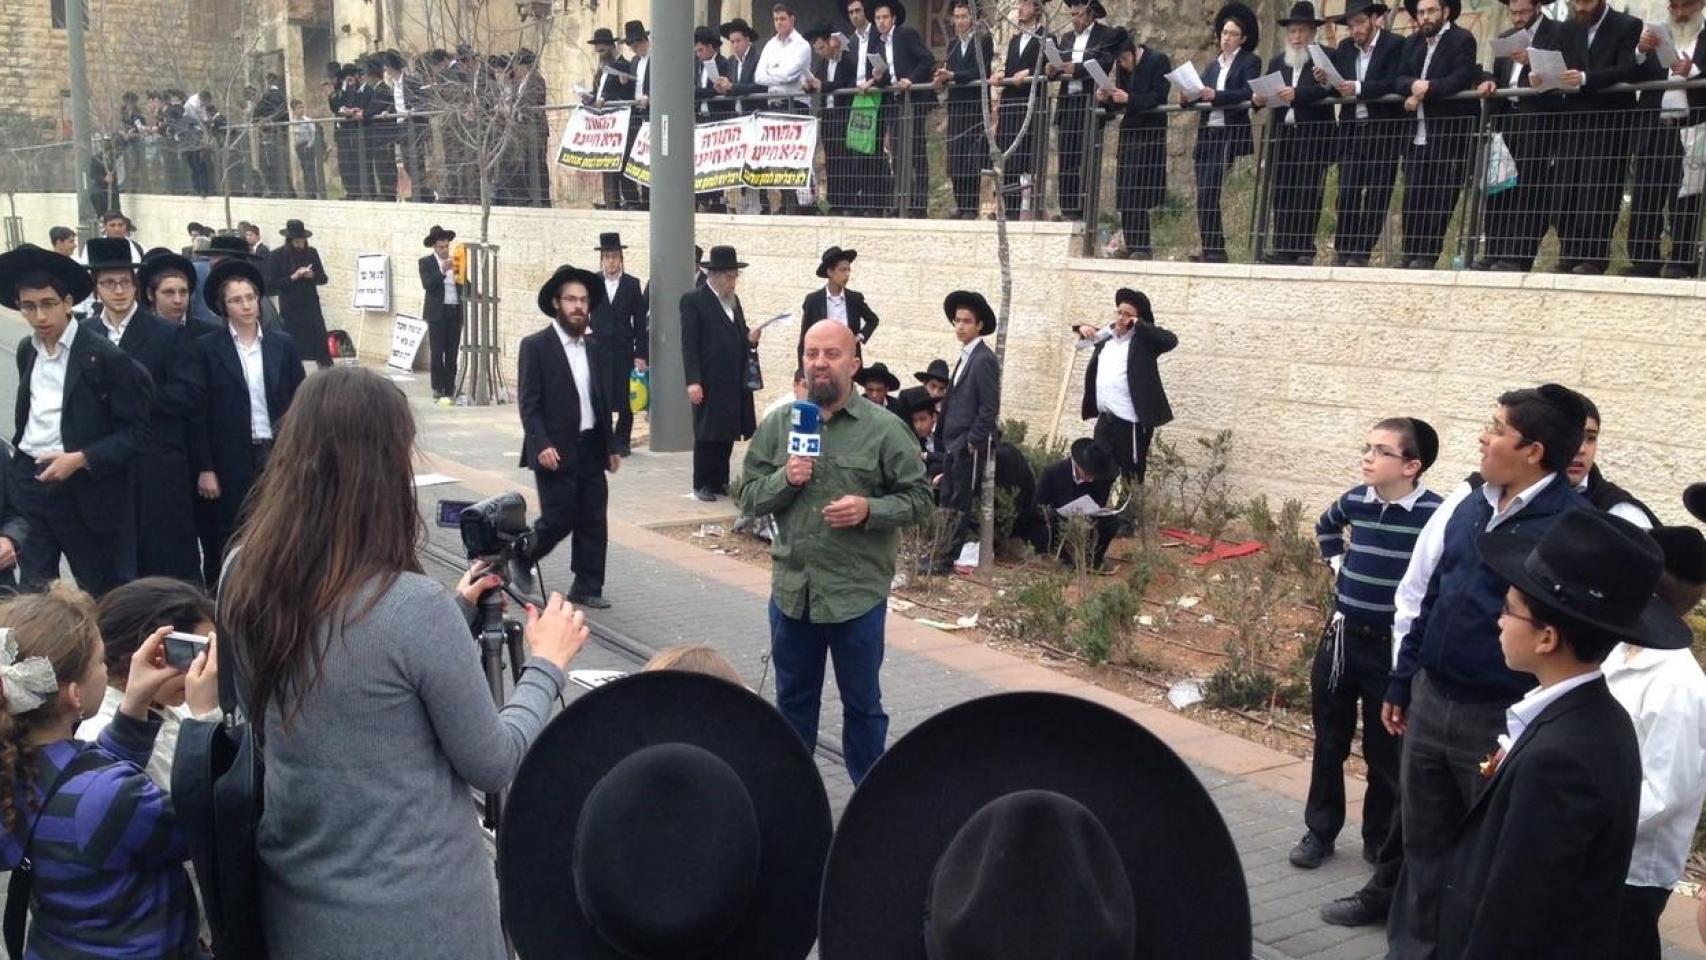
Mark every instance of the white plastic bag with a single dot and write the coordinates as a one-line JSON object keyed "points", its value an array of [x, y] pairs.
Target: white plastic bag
{"points": [[1693, 160], [1501, 166]]}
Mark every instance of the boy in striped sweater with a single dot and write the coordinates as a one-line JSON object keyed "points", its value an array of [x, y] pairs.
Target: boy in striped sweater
{"points": [[1366, 536]]}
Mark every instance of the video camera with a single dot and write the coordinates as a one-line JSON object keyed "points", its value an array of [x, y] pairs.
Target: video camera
{"points": [[496, 530]]}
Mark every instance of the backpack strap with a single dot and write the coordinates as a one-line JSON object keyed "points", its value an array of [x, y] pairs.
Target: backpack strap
{"points": [[22, 886]]}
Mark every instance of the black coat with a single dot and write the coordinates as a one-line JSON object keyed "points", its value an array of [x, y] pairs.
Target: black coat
{"points": [[967, 68], [1057, 487], [432, 286], [13, 526], [104, 415], [1246, 66], [1539, 862], [221, 440], [1014, 100], [164, 350], [909, 58], [715, 109], [299, 301], [1452, 70], [743, 79], [860, 316], [972, 408], [1141, 176], [713, 355], [617, 84], [621, 323], [1549, 34], [165, 486], [1100, 49], [1142, 373], [1380, 80], [1608, 60], [1312, 114], [550, 398], [1653, 99]]}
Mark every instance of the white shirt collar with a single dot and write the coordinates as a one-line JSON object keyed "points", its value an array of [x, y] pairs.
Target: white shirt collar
{"points": [[1522, 713], [260, 331], [124, 321], [1373, 39], [65, 339], [567, 340], [1523, 499], [1408, 501], [835, 296], [966, 351]]}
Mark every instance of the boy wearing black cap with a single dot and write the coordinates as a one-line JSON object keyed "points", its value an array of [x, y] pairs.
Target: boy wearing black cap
{"points": [[1537, 865], [1384, 514]]}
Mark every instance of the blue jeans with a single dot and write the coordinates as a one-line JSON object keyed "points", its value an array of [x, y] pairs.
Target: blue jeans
{"points": [[797, 649]]}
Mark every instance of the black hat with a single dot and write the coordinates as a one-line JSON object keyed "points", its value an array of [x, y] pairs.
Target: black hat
{"points": [[1302, 12], [880, 373], [1138, 300], [706, 36], [634, 32], [603, 35], [1427, 442], [936, 370], [1452, 8], [525, 57], [1685, 552], [1246, 19], [212, 292], [609, 241], [737, 25], [1594, 570], [498, 61], [244, 226], [349, 70], [108, 253], [723, 258], [979, 307], [833, 256], [1373, 8], [698, 255], [157, 262], [29, 258], [392, 59], [553, 287], [914, 400], [898, 8], [665, 814], [198, 229], [1095, 458], [436, 234], [819, 31], [230, 245], [1097, 11], [294, 230], [1108, 841], [1694, 500]]}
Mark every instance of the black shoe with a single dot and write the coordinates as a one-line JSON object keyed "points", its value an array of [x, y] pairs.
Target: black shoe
{"points": [[1275, 258], [1420, 263], [721, 490], [1566, 266], [1370, 852], [706, 494], [624, 450], [1482, 264], [1642, 269], [1677, 271], [1306, 260], [1340, 260], [1588, 269], [1507, 266], [1358, 261], [589, 601], [1351, 912], [1310, 851]]}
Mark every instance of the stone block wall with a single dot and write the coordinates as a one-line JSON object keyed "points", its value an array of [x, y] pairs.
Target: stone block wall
{"points": [[1297, 362]]}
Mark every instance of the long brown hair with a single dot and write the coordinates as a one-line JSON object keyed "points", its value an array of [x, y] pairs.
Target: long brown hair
{"points": [[59, 625], [333, 513]]}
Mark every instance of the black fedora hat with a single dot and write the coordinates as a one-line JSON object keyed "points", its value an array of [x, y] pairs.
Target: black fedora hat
{"points": [[1138, 300], [1095, 458], [1427, 441], [611, 240], [820, 30], [976, 303], [108, 253], [1685, 552], [914, 400], [737, 25], [707, 36], [1453, 8], [663, 815], [294, 230], [552, 288], [1302, 12], [723, 257], [1593, 570], [1116, 849], [1097, 11], [436, 234], [604, 36], [1694, 500], [833, 256], [29, 258], [1246, 20], [230, 245], [880, 373], [1373, 8], [158, 262], [198, 229], [936, 370], [895, 6], [213, 294], [244, 226], [634, 32]]}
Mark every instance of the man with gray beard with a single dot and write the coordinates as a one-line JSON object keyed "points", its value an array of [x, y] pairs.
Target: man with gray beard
{"points": [[1661, 115], [837, 518], [1303, 141]]}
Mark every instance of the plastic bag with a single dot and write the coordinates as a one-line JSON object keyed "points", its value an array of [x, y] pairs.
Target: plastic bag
{"points": [[1501, 166], [862, 123], [639, 390], [1693, 160]]}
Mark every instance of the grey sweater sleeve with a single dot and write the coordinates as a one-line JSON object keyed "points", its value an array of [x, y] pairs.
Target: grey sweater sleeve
{"points": [[484, 744]]}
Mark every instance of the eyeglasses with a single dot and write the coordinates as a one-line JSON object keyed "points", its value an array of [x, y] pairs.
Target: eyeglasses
{"points": [[1505, 608], [116, 283], [30, 308], [1498, 428], [1377, 451], [241, 300]]}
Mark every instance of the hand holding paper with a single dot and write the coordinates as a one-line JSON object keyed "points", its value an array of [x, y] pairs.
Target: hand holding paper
{"points": [[1505, 46], [1186, 81], [1324, 64], [1548, 69], [1085, 507], [1094, 69], [1268, 86]]}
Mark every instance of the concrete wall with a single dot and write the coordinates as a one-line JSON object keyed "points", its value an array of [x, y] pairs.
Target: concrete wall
{"points": [[1297, 362]]}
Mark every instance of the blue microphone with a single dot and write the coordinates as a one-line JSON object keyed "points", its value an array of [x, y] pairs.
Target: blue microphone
{"points": [[804, 440]]}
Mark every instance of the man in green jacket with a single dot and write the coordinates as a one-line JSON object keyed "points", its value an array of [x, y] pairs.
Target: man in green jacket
{"points": [[837, 518]]}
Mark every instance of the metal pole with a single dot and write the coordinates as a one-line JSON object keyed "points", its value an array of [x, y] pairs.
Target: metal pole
{"points": [[1469, 226], [671, 221], [1262, 199], [81, 127]]}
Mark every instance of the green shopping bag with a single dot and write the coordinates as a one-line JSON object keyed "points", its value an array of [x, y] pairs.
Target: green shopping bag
{"points": [[862, 123]]}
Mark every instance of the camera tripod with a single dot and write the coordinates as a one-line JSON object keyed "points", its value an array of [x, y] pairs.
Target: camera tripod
{"points": [[497, 634]]}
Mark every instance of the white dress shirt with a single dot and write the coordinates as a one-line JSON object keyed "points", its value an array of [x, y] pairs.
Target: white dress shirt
{"points": [[1519, 715], [859, 41], [708, 76], [115, 331], [1080, 44], [640, 67], [1622, 511], [1217, 118], [784, 64], [960, 364], [1113, 391], [835, 304], [1430, 545], [47, 394], [1665, 694], [574, 348], [254, 375], [450, 297], [611, 285], [1365, 56], [397, 102]]}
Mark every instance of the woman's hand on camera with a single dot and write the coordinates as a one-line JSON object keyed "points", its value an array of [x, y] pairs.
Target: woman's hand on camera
{"points": [[201, 681], [149, 671], [477, 581], [557, 633]]}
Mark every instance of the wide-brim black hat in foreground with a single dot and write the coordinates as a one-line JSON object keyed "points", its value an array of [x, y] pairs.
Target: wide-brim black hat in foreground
{"points": [[551, 290], [230, 245], [1694, 500], [1593, 570], [664, 815], [980, 308], [213, 293], [1032, 825], [29, 258]]}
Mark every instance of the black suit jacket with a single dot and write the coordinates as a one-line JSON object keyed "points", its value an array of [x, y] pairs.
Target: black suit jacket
{"points": [[713, 355], [1142, 374], [743, 79], [909, 58], [104, 415], [621, 324], [1146, 88], [860, 316], [1307, 103], [1057, 487], [1539, 862], [549, 397], [1380, 79], [713, 110], [1549, 34], [618, 84], [1234, 99], [1452, 70], [13, 526], [965, 67], [432, 285], [972, 408], [222, 437], [1100, 49], [165, 349], [1608, 60]]}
